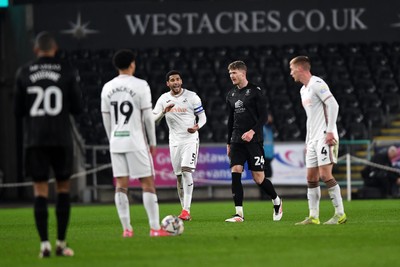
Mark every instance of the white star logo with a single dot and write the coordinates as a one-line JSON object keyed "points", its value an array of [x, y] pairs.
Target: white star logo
{"points": [[79, 30], [396, 25]]}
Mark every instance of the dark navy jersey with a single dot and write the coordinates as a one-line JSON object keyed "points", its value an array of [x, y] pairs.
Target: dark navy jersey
{"points": [[47, 92], [247, 110]]}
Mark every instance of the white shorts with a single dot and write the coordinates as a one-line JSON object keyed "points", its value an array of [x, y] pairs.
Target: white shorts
{"points": [[137, 164], [319, 153], [184, 155]]}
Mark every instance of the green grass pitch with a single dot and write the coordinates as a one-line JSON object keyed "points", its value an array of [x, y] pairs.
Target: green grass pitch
{"points": [[371, 237]]}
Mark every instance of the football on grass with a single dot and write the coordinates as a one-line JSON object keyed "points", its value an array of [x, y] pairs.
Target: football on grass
{"points": [[172, 224]]}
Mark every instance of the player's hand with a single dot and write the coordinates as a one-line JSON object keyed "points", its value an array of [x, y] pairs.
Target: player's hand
{"points": [[168, 108], [247, 136], [193, 129], [153, 150], [330, 139]]}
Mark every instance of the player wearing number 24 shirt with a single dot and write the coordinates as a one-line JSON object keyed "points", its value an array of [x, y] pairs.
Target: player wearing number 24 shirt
{"points": [[47, 93]]}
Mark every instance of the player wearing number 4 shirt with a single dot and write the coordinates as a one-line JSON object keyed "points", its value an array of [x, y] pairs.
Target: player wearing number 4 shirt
{"points": [[126, 107], [47, 93], [322, 141], [180, 107]]}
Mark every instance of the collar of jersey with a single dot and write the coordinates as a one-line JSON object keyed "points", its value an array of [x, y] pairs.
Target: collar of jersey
{"points": [[183, 90]]}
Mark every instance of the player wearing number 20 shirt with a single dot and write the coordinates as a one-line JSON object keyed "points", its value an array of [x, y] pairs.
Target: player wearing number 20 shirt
{"points": [[47, 93]]}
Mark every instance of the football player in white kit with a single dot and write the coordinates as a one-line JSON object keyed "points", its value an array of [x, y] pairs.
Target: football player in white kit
{"points": [[322, 141], [126, 108], [180, 108]]}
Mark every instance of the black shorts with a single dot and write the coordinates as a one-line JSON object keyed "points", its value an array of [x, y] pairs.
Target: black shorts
{"points": [[253, 153], [38, 161]]}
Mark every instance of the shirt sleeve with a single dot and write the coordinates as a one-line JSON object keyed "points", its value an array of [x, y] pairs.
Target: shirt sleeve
{"points": [[19, 99], [197, 105], [230, 120], [261, 109]]}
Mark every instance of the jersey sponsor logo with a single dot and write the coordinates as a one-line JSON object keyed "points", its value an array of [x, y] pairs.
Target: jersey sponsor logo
{"points": [[178, 109], [121, 133]]}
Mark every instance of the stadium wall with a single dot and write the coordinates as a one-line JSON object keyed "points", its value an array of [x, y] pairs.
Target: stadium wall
{"points": [[217, 23]]}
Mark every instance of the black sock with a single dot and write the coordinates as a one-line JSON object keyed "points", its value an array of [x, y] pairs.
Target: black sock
{"points": [[41, 215], [237, 188], [63, 207], [268, 188]]}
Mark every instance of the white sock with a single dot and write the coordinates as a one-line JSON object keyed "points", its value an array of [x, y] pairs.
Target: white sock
{"points": [[150, 203], [336, 197], [179, 187], [276, 201], [187, 181], [239, 211], [122, 204], [314, 196], [45, 245]]}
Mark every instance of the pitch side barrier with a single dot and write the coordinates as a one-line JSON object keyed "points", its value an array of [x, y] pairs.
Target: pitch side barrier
{"points": [[213, 168]]}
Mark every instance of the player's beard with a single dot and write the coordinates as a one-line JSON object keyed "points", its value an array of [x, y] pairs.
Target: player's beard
{"points": [[176, 90]]}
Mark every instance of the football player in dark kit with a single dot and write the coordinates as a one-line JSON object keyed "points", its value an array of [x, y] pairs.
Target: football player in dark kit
{"points": [[46, 94], [247, 115]]}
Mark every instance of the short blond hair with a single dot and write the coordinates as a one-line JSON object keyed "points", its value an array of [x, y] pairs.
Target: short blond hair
{"points": [[302, 61]]}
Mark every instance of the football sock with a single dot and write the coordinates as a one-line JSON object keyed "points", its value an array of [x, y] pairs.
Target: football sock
{"points": [[122, 204], [187, 181], [237, 189], [179, 187], [239, 211], [41, 217], [150, 203], [336, 197], [268, 188], [45, 245], [63, 207], [314, 196]]}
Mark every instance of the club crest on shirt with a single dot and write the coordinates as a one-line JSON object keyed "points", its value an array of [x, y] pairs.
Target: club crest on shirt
{"points": [[247, 92], [184, 101], [238, 104]]}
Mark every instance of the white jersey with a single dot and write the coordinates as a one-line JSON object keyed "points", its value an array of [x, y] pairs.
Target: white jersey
{"points": [[124, 97], [181, 117], [313, 97]]}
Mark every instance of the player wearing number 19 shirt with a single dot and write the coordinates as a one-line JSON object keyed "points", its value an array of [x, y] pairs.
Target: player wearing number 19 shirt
{"points": [[181, 107], [322, 141], [47, 93], [128, 120], [247, 114]]}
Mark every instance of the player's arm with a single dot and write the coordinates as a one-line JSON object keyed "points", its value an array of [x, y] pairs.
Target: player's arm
{"points": [[332, 108], [105, 113], [107, 123], [19, 99], [261, 110], [201, 114], [159, 111], [150, 127], [229, 126]]}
